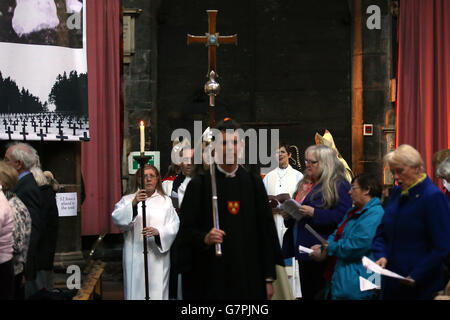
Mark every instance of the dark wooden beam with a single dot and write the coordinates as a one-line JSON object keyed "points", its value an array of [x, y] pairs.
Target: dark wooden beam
{"points": [[357, 91]]}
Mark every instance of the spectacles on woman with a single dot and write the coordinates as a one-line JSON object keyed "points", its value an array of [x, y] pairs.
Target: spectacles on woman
{"points": [[307, 161]]}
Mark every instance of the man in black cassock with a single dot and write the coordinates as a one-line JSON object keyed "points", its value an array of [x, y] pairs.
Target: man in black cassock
{"points": [[250, 248]]}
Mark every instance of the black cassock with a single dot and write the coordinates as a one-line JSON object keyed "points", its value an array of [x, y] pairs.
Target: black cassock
{"points": [[250, 248]]}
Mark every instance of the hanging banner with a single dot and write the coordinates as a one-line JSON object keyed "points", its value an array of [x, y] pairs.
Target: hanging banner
{"points": [[43, 71]]}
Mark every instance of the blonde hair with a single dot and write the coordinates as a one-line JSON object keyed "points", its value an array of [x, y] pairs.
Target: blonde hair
{"points": [[8, 176], [52, 181], [332, 173], [39, 176], [405, 155]]}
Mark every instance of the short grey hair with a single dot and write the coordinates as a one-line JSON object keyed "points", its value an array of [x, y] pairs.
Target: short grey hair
{"points": [[24, 152], [443, 171], [405, 155]]}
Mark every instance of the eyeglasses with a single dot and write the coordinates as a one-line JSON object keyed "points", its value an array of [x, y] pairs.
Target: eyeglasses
{"points": [[149, 176], [355, 187], [310, 162]]}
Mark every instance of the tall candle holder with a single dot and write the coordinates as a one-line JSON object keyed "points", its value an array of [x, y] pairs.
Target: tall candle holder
{"points": [[143, 160]]}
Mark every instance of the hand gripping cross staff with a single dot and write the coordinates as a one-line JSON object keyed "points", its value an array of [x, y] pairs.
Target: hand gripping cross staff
{"points": [[212, 88]]}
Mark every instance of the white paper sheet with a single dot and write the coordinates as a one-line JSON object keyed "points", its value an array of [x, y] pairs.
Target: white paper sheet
{"points": [[291, 207], [366, 285], [67, 204], [372, 266], [304, 249]]}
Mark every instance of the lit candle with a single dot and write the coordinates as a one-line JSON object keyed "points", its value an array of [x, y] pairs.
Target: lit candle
{"points": [[142, 128]]}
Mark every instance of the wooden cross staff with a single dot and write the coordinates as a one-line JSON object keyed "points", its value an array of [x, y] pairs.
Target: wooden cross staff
{"points": [[212, 40]]}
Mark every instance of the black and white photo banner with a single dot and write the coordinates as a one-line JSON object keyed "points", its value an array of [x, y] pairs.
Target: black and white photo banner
{"points": [[43, 70]]}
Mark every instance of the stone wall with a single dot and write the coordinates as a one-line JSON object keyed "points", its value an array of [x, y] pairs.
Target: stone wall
{"points": [[291, 70]]}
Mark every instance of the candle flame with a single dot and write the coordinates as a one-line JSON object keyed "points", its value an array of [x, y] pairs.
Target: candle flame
{"points": [[142, 123]]}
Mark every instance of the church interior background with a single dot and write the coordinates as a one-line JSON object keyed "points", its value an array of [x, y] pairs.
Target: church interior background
{"points": [[299, 66]]}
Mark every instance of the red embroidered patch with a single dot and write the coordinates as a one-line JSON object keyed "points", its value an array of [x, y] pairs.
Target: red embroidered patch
{"points": [[233, 207]]}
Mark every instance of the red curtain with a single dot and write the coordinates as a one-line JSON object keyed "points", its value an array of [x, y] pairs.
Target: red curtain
{"points": [[100, 157], [423, 105]]}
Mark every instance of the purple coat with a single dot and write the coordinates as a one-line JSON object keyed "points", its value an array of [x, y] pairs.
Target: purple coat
{"points": [[325, 221]]}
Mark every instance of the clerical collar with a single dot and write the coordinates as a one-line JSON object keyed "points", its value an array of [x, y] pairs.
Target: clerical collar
{"points": [[228, 174]]}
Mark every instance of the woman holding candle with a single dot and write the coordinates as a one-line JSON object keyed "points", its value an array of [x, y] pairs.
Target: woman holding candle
{"points": [[163, 223]]}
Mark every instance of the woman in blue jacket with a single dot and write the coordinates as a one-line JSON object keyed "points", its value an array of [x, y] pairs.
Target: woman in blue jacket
{"points": [[323, 209], [351, 241], [414, 235]]}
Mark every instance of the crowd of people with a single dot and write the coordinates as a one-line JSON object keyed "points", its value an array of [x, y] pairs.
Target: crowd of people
{"points": [[212, 231], [29, 224], [237, 246]]}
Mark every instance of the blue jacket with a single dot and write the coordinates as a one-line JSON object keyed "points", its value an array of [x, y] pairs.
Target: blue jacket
{"points": [[414, 237], [324, 221], [356, 242]]}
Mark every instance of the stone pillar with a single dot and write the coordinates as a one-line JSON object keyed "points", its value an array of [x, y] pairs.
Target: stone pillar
{"points": [[140, 83], [378, 71]]}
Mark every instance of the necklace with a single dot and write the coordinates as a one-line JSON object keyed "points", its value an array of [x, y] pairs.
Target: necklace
{"points": [[281, 176]]}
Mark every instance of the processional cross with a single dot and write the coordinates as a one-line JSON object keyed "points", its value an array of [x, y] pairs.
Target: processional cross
{"points": [[212, 40]]}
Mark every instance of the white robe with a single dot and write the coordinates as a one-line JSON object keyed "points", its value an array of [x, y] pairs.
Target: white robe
{"points": [[167, 187], [161, 215], [276, 182], [182, 189]]}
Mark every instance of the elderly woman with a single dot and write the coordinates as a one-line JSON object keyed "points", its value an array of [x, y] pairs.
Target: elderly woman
{"points": [[323, 209], [162, 227], [351, 241], [443, 172], [22, 227], [414, 235]]}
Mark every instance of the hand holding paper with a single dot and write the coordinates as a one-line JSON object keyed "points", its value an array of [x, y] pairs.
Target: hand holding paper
{"points": [[303, 249], [372, 266], [319, 252], [291, 207]]}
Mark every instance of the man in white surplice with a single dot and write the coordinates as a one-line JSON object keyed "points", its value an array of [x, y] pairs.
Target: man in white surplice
{"points": [[284, 179], [162, 227]]}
